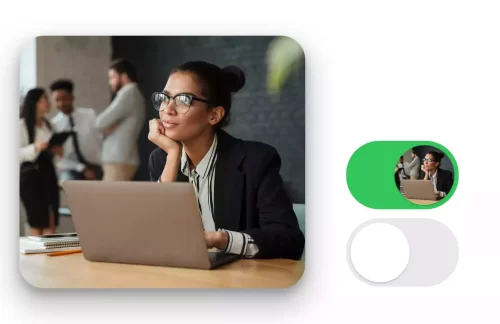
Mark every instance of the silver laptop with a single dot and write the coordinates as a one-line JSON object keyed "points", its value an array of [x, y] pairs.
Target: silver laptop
{"points": [[141, 223], [418, 189]]}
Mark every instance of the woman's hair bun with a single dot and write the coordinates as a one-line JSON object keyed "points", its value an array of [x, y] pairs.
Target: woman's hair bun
{"points": [[235, 78]]}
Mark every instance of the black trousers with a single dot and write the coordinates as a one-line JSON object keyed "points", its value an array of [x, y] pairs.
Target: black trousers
{"points": [[397, 180], [39, 190]]}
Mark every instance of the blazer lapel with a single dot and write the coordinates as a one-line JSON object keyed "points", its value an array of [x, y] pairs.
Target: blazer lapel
{"points": [[229, 183], [181, 177]]}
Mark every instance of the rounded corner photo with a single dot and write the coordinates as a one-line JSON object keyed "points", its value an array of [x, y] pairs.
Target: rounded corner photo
{"points": [[98, 197]]}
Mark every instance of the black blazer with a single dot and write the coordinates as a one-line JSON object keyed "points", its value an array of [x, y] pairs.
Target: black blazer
{"points": [[444, 181], [249, 195]]}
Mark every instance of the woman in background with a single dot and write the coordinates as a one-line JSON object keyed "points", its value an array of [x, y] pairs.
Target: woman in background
{"points": [[243, 205], [397, 179], [441, 179], [399, 173], [414, 166], [401, 169], [38, 180]]}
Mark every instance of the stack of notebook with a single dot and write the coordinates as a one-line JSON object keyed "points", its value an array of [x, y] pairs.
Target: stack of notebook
{"points": [[49, 243]]}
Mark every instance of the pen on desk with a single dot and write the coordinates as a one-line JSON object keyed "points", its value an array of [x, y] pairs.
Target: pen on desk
{"points": [[64, 252]]}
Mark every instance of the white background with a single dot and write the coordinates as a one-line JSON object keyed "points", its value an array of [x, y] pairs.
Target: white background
{"points": [[376, 70]]}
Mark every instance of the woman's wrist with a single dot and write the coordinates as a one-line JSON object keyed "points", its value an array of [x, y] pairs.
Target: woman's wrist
{"points": [[218, 240], [169, 173], [221, 240], [170, 146]]}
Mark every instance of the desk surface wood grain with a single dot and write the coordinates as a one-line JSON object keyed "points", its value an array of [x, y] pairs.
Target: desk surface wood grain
{"points": [[423, 201], [73, 271]]}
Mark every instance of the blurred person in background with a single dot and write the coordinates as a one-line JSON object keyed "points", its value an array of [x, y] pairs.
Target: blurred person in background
{"points": [[397, 179], [401, 169], [242, 201], [414, 165], [121, 123], [39, 189], [82, 152]]}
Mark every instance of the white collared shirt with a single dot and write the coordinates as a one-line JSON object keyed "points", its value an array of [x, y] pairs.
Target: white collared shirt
{"points": [[28, 152], [89, 139], [203, 179]]}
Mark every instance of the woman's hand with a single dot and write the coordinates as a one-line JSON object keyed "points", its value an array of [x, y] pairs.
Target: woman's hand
{"points": [[156, 129], [426, 172], [216, 240], [157, 136], [41, 145], [89, 174], [58, 150], [438, 194]]}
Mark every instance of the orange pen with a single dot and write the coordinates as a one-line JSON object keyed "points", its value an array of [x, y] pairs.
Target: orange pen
{"points": [[64, 252]]}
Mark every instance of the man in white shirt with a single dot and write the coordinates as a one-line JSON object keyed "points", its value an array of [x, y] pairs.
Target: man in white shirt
{"points": [[401, 168], [82, 151], [121, 123]]}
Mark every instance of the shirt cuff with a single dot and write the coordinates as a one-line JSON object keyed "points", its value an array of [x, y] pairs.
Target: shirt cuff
{"points": [[28, 153], [442, 194], [240, 243]]}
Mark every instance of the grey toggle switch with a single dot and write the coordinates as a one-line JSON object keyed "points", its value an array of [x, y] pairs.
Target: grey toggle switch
{"points": [[433, 252]]}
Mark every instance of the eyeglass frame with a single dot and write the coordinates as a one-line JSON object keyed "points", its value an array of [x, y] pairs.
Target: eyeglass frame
{"points": [[189, 95]]}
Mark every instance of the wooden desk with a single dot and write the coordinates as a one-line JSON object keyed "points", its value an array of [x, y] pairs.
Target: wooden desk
{"points": [[73, 271], [422, 201]]}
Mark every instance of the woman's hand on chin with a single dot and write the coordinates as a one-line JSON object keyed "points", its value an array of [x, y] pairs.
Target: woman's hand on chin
{"points": [[157, 136]]}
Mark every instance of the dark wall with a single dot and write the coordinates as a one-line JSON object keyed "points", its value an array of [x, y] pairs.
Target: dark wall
{"points": [[255, 115], [445, 161]]}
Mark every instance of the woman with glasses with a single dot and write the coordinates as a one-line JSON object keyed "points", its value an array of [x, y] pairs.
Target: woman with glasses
{"points": [[441, 179], [243, 205]]}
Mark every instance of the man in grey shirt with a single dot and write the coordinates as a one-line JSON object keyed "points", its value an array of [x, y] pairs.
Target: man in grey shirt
{"points": [[121, 123]]}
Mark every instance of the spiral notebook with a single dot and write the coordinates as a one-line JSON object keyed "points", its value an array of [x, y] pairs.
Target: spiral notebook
{"points": [[49, 243]]}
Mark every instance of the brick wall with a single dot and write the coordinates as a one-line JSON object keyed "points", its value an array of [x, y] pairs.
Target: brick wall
{"points": [[84, 59], [255, 115]]}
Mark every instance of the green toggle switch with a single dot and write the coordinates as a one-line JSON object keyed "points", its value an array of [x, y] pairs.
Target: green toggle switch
{"points": [[371, 174]]}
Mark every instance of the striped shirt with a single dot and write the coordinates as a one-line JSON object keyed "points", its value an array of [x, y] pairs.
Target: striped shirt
{"points": [[203, 177]]}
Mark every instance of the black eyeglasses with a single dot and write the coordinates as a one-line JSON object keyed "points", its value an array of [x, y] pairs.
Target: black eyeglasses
{"points": [[182, 101], [429, 160]]}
